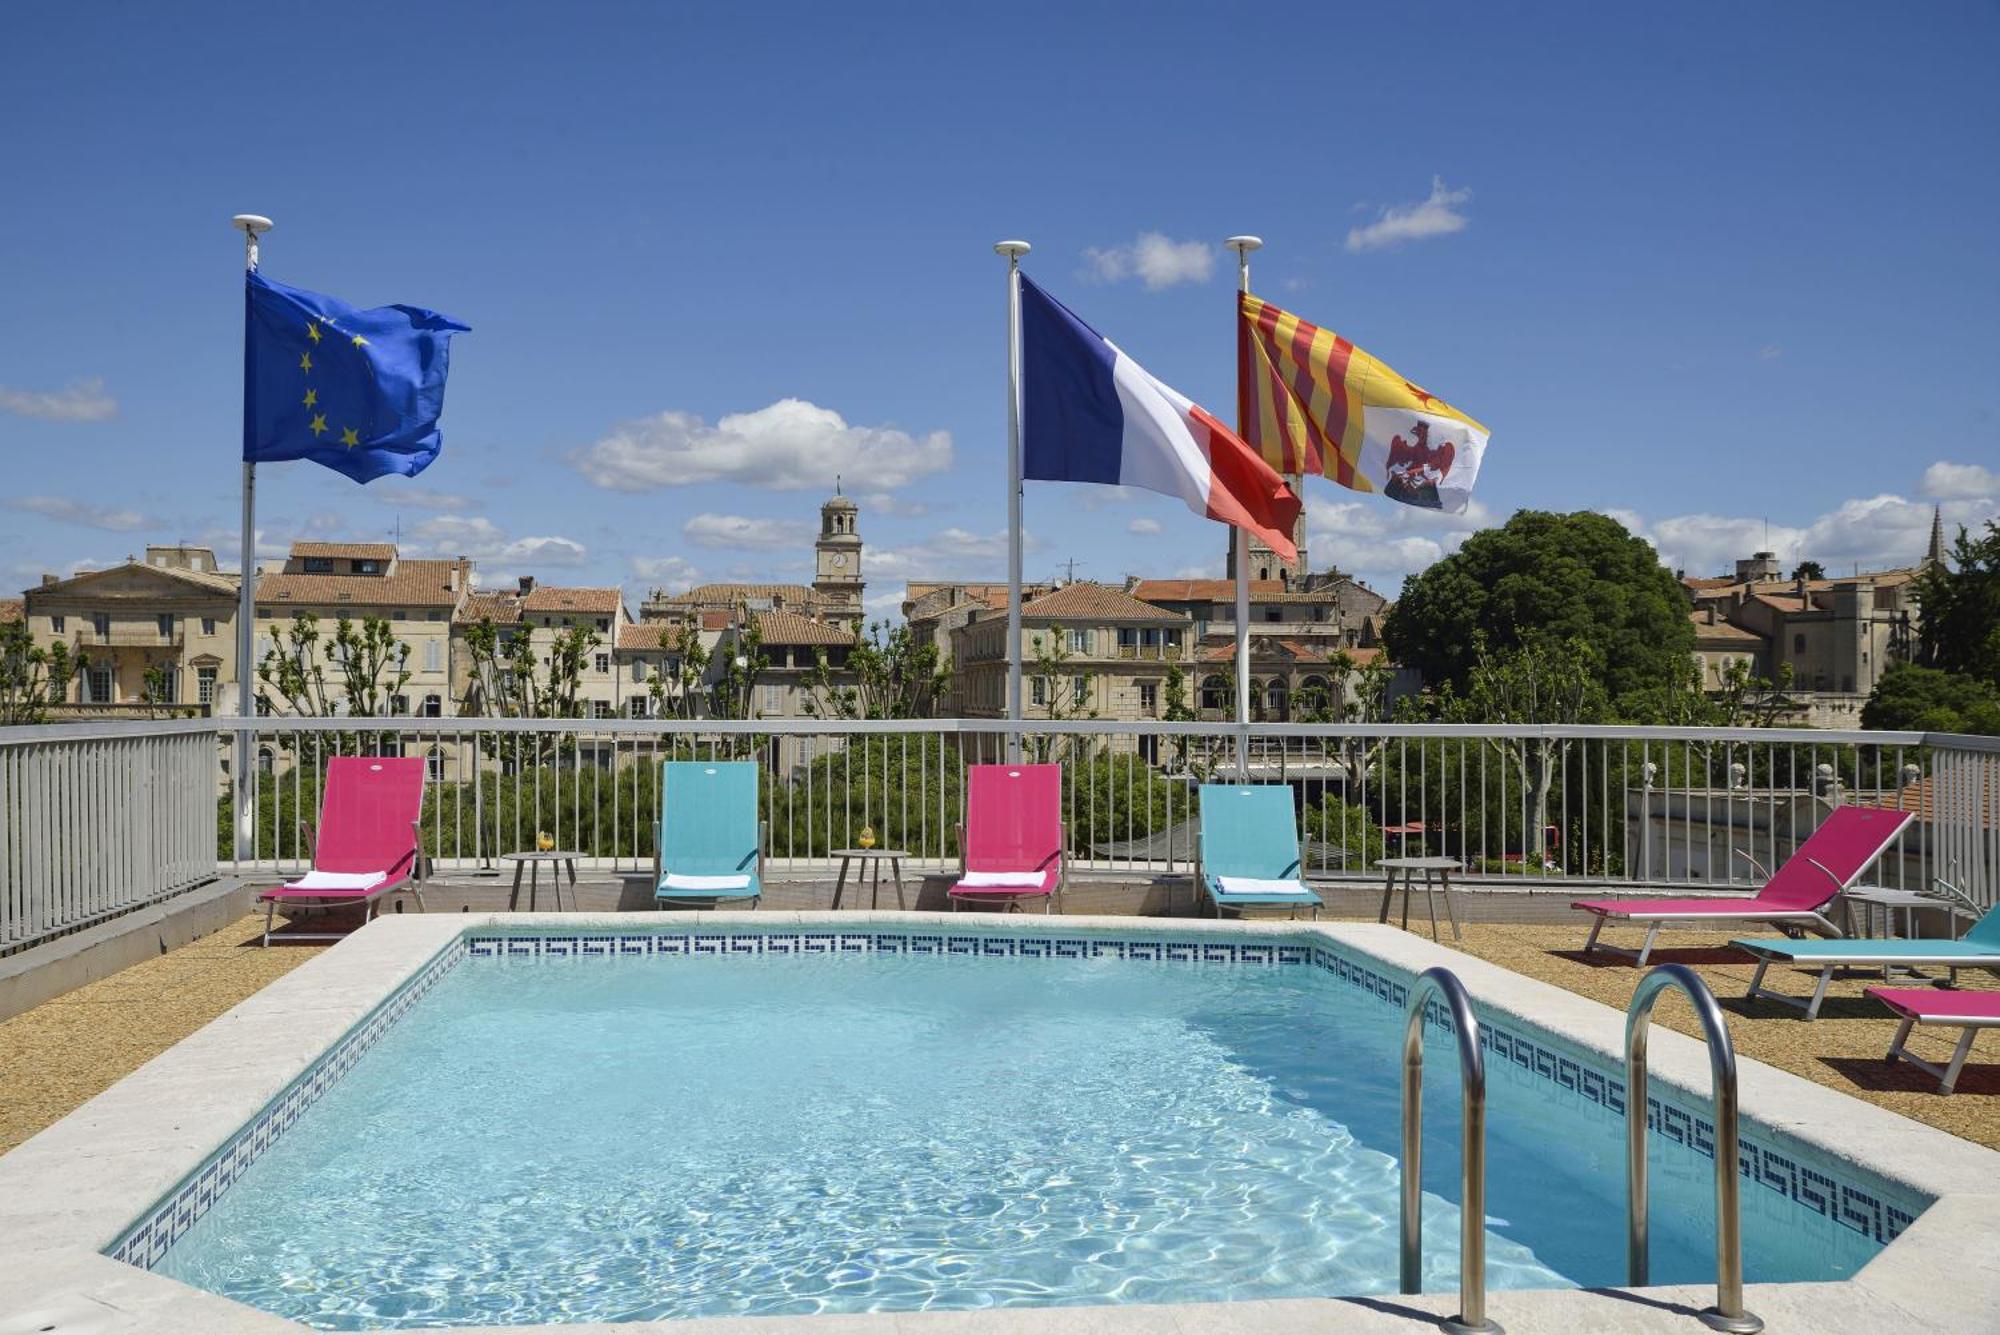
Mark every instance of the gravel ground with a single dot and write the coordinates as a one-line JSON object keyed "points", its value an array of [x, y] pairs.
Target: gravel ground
{"points": [[59, 1054]]}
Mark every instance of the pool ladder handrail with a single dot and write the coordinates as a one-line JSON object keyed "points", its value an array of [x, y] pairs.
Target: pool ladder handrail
{"points": [[1728, 1313], [1471, 1318]]}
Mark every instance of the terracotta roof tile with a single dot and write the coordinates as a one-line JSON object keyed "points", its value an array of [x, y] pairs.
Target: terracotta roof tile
{"points": [[1203, 590], [13, 609], [1923, 797], [412, 584], [357, 551], [501, 607], [1720, 630], [790, 628], [640, 635], [732, 594], [1086, 601], [554, 598]]}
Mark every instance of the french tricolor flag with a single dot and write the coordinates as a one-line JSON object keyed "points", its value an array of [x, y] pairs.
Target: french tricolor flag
{"points": [[1089, 413]]}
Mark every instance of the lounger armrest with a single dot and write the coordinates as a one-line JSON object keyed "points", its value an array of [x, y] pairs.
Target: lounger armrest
{"points": [[1839, 886], [959, 829], [310, 836], [417, 871], [1763, 874]]}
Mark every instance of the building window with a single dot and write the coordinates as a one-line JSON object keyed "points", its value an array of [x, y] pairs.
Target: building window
{"points": [[604, 625], [601, 709], [1214, 693], [433, 655], [266, 760], [434, 764], [165, 621], [433, 706], [263, 706], [1274, 614], [1149, 698], [366, 567], [639, 706], [204, 685], [101, 623], [1039, 691], [1079, 691], [1127, 637], [639, 669], [1798, 644], [56, 625], [319, 565], [399, 705], [98, 679], [208, 625], [1079, 641], [1171, 637], [400, 614], [774, 700], [604, 662]]}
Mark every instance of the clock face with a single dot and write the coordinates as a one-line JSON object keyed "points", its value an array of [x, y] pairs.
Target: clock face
{"points": [[839, 561]]}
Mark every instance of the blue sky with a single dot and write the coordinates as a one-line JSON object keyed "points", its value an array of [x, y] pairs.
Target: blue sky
{"points": [[1705, 267]]}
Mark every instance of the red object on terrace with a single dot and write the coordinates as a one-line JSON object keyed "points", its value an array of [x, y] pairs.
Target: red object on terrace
{"points": [[366, 843], [1013, 835]]}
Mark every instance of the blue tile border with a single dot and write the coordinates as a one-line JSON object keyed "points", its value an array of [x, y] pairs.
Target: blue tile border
{"points": [[147, 1241], [1806, 1178]]}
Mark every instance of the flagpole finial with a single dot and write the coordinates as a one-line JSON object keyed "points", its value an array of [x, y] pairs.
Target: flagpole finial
{"points": [[1243, 245], [252, 225], [1013, 250]]}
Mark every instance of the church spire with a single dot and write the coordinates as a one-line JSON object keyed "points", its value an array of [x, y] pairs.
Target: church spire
{"points": [[1935, 556]]}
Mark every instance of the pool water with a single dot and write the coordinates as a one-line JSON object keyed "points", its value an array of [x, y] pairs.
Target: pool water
{"points": [[606, 1140]]}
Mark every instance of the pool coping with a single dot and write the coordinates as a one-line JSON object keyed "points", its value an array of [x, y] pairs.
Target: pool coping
{"points": [[73, 1189]]}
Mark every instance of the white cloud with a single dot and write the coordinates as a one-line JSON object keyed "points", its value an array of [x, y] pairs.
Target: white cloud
{"points": [[71, 511], [789, 446], [888, 503], [483, 540], [1380, 543], [952, 553], [1143, 526], [675, 574], [417, 498], [1437, 215], [79, 401], [740, 531], [1949, 481], [1770, 352], [1154, 260]]}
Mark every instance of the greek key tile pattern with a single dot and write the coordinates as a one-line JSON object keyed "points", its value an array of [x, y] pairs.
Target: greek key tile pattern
{"points": [[1822, 1187], [147, 1241]]}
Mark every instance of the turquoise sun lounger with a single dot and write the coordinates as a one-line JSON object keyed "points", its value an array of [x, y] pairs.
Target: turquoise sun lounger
{"points": [[1979, 948], [708, 845], [1248, 852]]}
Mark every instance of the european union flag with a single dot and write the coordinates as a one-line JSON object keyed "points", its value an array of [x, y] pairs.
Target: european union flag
{"points": [[358, 391]]}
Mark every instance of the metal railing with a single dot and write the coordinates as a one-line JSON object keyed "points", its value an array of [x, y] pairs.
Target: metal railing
{"points": [[1728, 1313], [1520, 807], [1444, 984], [98, 819]]}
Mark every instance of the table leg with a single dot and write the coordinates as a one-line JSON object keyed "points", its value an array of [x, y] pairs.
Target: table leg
{"points": [[534, 883], [1388, 892], [874, 883], [1406, 899], [514, 899], [1431, 899], [896, 870], [1444, 877], [840, 882], [571, 864]]}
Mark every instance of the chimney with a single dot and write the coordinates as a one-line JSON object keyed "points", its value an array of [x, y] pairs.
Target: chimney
{"points": [[48, 579], [456, 571], [527, 585]]}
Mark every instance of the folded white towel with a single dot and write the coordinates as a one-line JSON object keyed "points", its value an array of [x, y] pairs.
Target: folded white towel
{"points": [[1252, 886], [1004, 880], [338, 880], [676, 881]]}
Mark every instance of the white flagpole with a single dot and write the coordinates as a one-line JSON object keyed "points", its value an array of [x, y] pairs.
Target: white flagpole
{"points": [[1013, 250], [1242, 245], [252, 226]]}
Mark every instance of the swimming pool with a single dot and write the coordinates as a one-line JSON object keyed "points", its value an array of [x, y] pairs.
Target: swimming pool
{"points": [[544, 1128]]}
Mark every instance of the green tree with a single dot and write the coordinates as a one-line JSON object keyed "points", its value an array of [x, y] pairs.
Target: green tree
{"points": [[1809, 570], [679, 694], [370, 668], [508, 679], [895, 675], [32, 677], [1348, 835], [1062, 689], [1543, 577], [735, 692], [1961, 609], [1921, 699]]}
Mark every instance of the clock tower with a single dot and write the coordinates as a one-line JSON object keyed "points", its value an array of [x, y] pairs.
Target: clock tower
{"points": [[837, 581]]}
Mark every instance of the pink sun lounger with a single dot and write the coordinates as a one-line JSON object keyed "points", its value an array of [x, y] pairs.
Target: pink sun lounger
{"points": [[366, 845], [1970, 1011], [1012, 839], [1845, 845]]}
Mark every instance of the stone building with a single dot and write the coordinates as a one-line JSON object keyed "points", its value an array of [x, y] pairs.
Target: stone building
{"points": [[1116, 652], [934, 609], [172, 615], [835, 596]]}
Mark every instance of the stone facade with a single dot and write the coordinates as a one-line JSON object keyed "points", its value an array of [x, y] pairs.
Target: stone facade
{"points": [[173, 611]]}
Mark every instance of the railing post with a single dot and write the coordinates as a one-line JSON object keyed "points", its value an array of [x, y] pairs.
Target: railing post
{"points": [[1471, 1316], [1728, 1313]]}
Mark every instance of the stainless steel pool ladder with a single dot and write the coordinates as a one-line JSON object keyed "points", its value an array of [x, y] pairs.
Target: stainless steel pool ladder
{"points": [[1471, 1316], [1728, 1313]]}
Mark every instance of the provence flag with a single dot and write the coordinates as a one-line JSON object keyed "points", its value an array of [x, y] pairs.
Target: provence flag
{"points": [[358, 391], [1311, 402]]}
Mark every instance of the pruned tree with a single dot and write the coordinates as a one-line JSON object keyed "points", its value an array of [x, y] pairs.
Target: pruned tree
{"points": [[33, 677], [735, 690], [509, 679], [893, 674], [678, 693], [357, 672], [1064, 689]]}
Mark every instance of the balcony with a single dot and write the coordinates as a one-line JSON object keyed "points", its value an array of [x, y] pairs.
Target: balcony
{"points": [[129, 637]]}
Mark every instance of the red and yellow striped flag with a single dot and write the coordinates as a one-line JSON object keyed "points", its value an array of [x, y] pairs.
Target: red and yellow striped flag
{"points": [[1311, 402]]}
